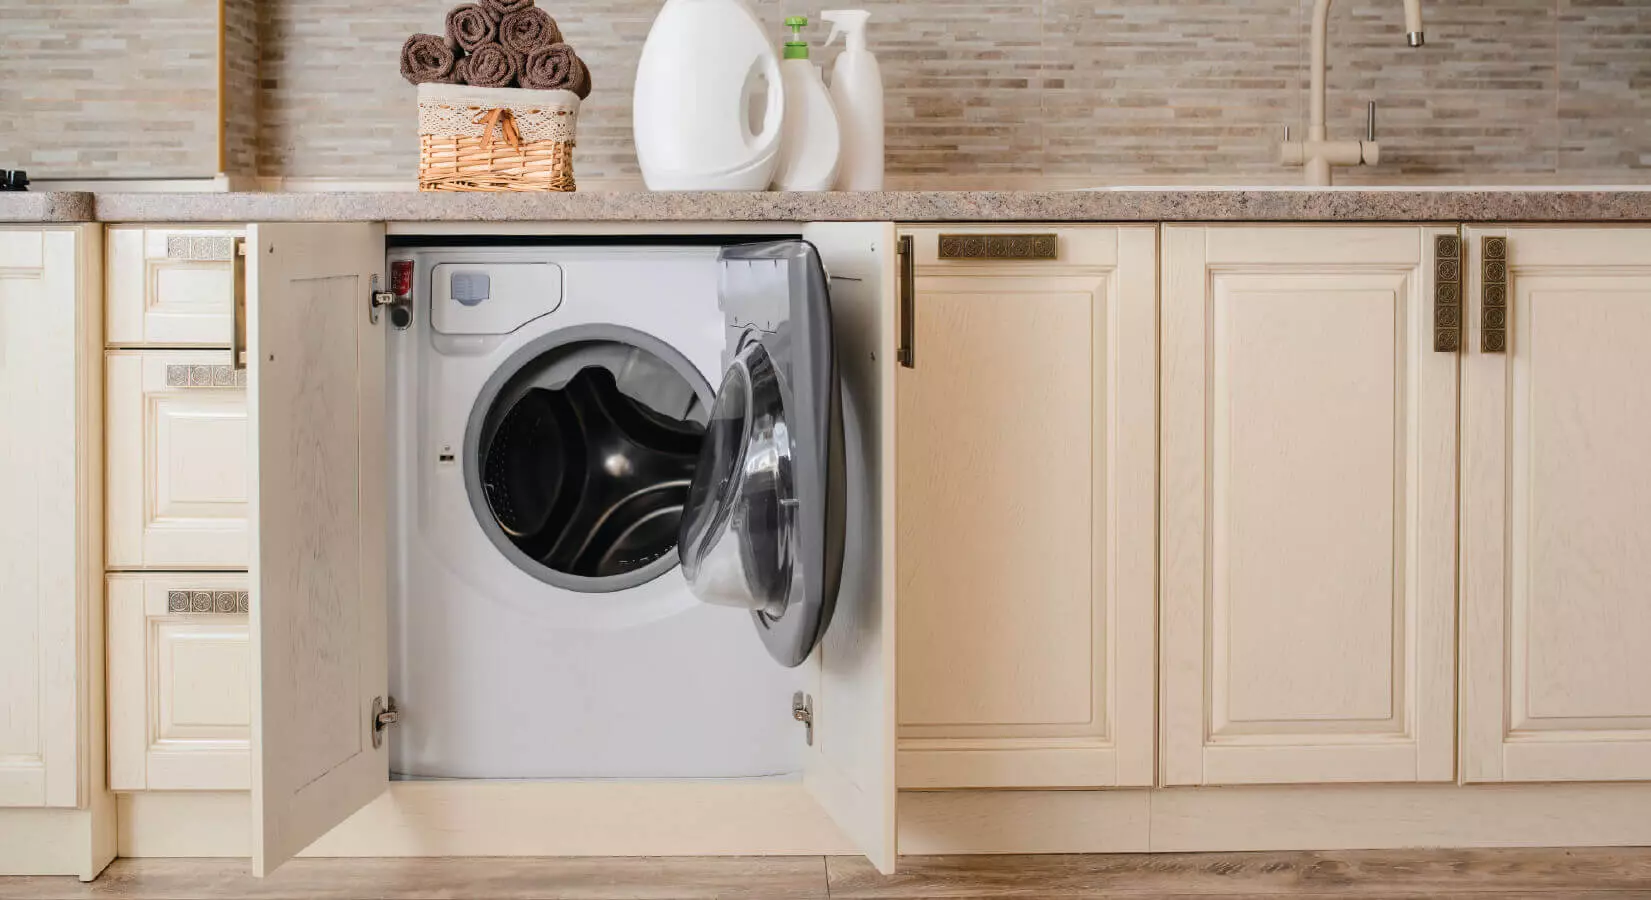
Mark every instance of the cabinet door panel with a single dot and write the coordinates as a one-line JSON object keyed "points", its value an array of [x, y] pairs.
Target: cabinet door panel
{"points": [[49, 507], [1309, 524], [177, 451], [179, 682], [319, 565], [849, 766], [1557, 558], [169, 287], [1026, 514]]}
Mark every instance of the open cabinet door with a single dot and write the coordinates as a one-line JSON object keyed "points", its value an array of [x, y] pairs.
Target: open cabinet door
{"points": [[849, 768], [315, 390]]}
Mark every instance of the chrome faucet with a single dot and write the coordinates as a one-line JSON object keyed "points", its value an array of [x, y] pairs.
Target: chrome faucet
{"points": [[1318, 153]]}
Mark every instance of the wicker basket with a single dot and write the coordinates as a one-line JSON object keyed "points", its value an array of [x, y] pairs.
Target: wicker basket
{"points": [[495, 139]]}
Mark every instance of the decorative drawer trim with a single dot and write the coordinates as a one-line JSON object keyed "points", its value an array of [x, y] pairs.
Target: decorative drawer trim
{"points": [[200, 247], [999, 246], [1493, 313], [231, 602], [205, 376], [1447, 293]]}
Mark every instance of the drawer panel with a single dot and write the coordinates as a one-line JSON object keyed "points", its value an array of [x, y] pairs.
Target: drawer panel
{"points": [[177, 460], [180, 707], [169, 286]]}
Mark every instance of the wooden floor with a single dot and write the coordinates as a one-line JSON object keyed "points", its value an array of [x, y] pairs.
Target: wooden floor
{"points": [[1586, 874]]}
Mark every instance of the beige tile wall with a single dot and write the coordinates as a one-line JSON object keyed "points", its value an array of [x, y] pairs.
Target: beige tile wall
{"points": [[1066, 92], [113, 88], [981, 93]]}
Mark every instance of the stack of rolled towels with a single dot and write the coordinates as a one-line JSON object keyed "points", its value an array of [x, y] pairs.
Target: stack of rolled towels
{"points": [[496, 44]]}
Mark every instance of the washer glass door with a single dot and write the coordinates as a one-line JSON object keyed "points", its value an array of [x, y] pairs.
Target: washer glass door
{"points": [[762, 527]]}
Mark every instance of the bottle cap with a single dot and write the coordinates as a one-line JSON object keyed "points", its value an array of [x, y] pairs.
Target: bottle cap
{"points": [[796, 48]]}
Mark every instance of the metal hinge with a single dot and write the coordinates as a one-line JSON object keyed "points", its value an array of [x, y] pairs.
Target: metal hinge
{"points": [[383, 717], [378, 299], [802, 709]]}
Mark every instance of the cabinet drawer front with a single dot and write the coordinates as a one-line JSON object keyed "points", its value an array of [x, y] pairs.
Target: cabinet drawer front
{"points": [[169, 286], [177, 460], [179, 686]]}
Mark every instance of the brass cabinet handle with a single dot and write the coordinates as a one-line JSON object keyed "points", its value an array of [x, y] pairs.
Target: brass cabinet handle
{"points": [[1493, 295], [999, 246], [1447, 293], [238, 327], [906, 353]]}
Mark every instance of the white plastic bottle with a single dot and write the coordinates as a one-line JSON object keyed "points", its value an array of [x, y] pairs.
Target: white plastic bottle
{"points": [[857, 93], [703, 67], [810, 141]]}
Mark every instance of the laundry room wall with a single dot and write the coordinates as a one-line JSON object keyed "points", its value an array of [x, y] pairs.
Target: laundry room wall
{"points": [[1013, 94]]}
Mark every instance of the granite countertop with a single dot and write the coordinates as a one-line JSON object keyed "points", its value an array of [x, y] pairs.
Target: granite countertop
{"points": [[1118, 205]]}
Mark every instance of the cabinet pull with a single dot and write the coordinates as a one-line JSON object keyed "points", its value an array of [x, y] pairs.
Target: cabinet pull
{"points": [[906, 354], [208, 601], [1447, 293], [999, 246], [186, 375], [238, 327], [1493, 295]]}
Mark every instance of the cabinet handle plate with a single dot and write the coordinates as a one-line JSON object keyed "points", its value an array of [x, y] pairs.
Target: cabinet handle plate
{"points": [[999, 246], [222, 602], [1447, 293], [188, 376], [1493, 312]]}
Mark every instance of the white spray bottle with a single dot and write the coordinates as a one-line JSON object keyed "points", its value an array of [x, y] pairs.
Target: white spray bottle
{"points": [[857, 93]]}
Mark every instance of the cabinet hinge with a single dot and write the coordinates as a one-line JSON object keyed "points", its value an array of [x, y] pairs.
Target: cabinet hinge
{"points": [[802, 709], [383, 717], [377, 299]]}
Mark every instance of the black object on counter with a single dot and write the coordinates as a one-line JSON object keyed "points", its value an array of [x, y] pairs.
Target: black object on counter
{"points": [[14, 180]]}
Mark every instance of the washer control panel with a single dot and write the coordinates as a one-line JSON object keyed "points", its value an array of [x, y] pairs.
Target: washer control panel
{"points": [[492, 298]]}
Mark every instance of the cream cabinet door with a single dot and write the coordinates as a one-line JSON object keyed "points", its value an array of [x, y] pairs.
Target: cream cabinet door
{"points": [[1309, 517], [316, 444], [177, 460], [179, 682], [169, 287], [50, 396], [1556, 506], [1026, 514]]}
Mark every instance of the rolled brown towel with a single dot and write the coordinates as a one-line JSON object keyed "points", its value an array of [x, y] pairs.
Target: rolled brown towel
{"points": [[554, 68], [427, 58], [506, 7], [490, 66], [470, 27], [526, 30]]}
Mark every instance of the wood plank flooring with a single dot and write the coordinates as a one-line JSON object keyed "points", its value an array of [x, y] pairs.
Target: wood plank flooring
{"points": [[1583, 874]]}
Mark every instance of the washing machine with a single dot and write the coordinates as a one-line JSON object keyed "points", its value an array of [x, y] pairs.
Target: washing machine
{"points": [[617, 503]]}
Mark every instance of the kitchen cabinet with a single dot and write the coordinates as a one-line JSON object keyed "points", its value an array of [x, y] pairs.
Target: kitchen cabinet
{"points": [[177, 451], [169, 287], [1556, 549], [318, 539], [1308, 542], [50, 534], [180, 712], [1026, 509]]}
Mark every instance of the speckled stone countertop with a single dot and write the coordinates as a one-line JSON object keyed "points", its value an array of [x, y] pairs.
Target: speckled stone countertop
{"points": [[1119, 205]]}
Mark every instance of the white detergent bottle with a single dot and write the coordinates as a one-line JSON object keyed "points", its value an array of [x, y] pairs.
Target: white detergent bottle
{"points": [[857, 93], [708, 102], [810, 141]]}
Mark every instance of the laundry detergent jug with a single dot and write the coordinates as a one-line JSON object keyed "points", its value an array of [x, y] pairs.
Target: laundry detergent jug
{"points": [[709, 101]]}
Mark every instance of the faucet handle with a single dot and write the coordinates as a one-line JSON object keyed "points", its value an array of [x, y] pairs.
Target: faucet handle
{"points": [[1370, 121]]}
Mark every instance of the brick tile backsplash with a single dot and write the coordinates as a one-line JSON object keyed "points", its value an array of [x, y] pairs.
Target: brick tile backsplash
{"points": [[1001, 93]]}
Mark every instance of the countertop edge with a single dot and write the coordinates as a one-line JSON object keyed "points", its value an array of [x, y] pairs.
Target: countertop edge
{"points": [[1124, 205]]}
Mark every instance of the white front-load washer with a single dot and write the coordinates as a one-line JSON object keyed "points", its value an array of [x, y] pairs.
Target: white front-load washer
{"points": [[550, 406]]}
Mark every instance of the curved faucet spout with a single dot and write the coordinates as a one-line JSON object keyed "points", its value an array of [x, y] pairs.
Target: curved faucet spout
{"points": [[1321, 31]]}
